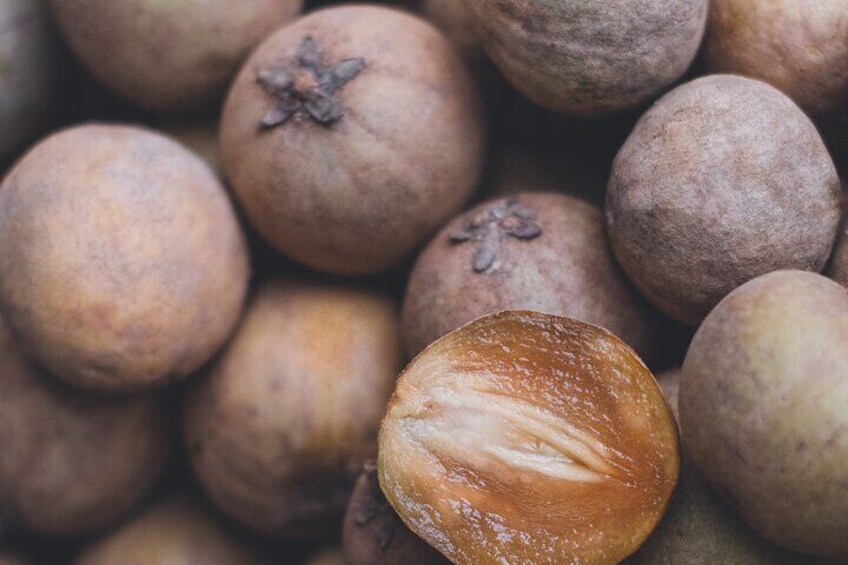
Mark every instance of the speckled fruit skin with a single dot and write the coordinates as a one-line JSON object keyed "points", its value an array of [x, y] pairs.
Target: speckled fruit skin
{"points": [[700, 528], [279, 428], [168, 56], [176, 530], [567, 270], [762, 407], [373, 534], [799, 47], [28, 73], [72, 463], [589, 59], [122, 263], [723, 180], [529, 438], [356, 196]]}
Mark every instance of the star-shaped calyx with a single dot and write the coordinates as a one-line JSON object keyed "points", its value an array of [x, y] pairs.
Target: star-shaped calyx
{"points": [[507, 218], [308, 86]]}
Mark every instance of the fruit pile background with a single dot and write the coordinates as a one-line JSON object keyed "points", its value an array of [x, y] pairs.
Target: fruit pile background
{"points": [[226, 226]]}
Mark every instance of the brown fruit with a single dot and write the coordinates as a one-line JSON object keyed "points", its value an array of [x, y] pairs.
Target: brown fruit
{"points": [[278, 429], [374, 534], [797, 46], [544, 252], [72, 463], [700, 528], [455, 19], [589, 59], [722, 180], [29, 73], [200, 137], [763, 398], [346, 154], [168, 56], [529, 438], [174, 531], [122, 263]]}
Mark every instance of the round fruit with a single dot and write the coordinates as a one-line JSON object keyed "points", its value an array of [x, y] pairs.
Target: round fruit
{"points": [[699, 528], [200, 137], [176, 530], [168, 56], [72, 463], [800, 47], [373, 533], [122, 263], [529, 438], [28, 73], [346, 154], [534, 251], [591, 59], [762, 406], [722, 180], [278, 429]]}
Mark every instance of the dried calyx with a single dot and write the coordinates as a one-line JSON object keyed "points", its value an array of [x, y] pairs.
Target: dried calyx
{"points": [[507, 218], [308, 87]]}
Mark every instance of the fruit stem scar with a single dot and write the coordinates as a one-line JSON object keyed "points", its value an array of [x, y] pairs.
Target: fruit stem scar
{"points": [[508, 218], [307, 86]]}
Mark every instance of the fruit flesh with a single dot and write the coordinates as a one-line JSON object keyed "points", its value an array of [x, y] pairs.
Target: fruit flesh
{"points": [[527, 438]]}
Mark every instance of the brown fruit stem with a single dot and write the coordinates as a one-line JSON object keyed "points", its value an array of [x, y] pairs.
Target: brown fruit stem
{"points": [[308, 87], [487, 230]]}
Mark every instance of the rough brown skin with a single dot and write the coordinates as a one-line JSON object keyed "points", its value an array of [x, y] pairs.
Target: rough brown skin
{"points": [[398, 149], [762, 406], [72, 463], [373, 534], [699, 528], [723, 180], [566, 270], [174, 531], [28, 73], [168, 56], [797, 46], [590, 59], [123, 264], [278, 430], [529, 438]]}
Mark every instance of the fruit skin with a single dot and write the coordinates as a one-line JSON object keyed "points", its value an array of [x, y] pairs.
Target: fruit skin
{"points": [[373, 534], [72, 463], [722, 180], [799, 47], [567, 270], [403, 157], [279, 427], [168, 56], [590, 59], [455, 19], [28, 73], [700, 528], [762, 406], [174, 530], [528, 438], [123, 263]]}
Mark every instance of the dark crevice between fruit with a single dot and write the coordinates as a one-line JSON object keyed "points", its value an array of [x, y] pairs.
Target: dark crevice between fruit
{"points": [[308, 87], [376, 514], [508, 218]]}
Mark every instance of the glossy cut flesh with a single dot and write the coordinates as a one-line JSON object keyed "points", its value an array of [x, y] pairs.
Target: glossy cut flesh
{"points": [[528, 438]]}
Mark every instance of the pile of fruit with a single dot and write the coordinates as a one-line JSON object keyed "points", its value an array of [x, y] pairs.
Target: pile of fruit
{"points": [[334, 283]]}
